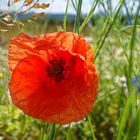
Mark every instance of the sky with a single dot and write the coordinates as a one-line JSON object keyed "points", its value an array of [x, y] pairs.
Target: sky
{"points": [[58, 6]]}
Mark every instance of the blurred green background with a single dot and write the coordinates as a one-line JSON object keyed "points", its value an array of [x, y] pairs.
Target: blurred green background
{"points": [[114, 34]]}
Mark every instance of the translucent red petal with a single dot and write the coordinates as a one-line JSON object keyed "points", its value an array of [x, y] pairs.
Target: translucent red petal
{"points": [[36, 92]]}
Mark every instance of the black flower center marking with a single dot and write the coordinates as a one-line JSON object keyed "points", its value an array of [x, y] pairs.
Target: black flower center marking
{"points": [[57, 69]]}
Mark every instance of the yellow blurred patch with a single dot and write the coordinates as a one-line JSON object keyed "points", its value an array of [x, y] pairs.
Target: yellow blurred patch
{"points": [[138, 30], [1, 74]]}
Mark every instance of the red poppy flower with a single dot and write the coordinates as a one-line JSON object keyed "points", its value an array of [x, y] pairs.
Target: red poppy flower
{"points": [[53, 76]]}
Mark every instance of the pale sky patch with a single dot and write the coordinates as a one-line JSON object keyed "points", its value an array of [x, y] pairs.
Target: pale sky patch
{"points": [[58, 6]]}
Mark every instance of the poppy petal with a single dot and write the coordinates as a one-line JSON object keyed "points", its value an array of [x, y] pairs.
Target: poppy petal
{"points": [[20, 47], [53, 76], [70, 41]]}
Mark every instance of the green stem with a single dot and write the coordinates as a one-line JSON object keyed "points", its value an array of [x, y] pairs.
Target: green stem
{"points": [[90, 14], [51, 135], [78, 15], [124, 118], [121, 43], [41, 134], [47, 132], [108, 30], [91, 127], [132, 45], [68, 136], [65, 17], [130, 101]]}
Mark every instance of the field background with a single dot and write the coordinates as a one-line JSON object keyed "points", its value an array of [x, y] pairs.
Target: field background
{"points": [[115, 38]]}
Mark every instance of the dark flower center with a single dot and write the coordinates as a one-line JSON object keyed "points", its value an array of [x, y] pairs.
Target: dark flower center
{"points": [[57, 69]]}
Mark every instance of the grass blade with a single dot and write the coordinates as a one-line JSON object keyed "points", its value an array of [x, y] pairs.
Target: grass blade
{"points": [[52, 134], [129, 75], [89, 15], [124, 118], [132, 45], [78, 15], [65, 17], [108, 30], [134, 128]]}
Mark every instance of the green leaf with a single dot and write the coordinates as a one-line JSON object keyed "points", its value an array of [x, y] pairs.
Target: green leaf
{"points": [[124, 118], [134, 129]]}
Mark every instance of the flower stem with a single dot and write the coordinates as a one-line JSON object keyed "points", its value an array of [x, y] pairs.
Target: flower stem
{"points": [[108, 30], [65, 17], [52, 135], [78, 16], [68, 136], [42, 133], [47, 132], [91, 127]]}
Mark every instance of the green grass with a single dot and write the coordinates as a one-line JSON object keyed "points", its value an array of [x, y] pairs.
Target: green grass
{"points": [[115, 114]]}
